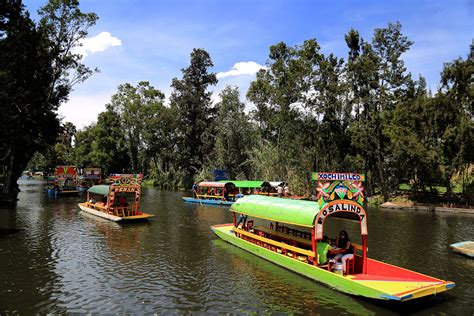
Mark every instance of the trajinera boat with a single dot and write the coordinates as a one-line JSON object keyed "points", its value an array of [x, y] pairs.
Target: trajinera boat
{"points": [[89, 178], [224, 192], [118, 202], [64, 181], [299, 247]]}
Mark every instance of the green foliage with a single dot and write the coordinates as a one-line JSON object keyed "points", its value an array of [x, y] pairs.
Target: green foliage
{"points": [[138, 108], [36, 66], [308, 112], [195, 115], [234, 134]]}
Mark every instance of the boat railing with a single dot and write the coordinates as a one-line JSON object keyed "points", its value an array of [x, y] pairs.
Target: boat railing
{"points": [[207, 196], [280, 247], [286, 236], [123, 211]]}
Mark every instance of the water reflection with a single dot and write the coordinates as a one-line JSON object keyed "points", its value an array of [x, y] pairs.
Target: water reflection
{"points": [[63, 260]]}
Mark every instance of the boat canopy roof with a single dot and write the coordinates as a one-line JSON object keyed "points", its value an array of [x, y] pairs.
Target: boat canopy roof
{"points": [[247, 184], [99, 189], [277, 183], [294, 212], [215, 184], [299, 212]]}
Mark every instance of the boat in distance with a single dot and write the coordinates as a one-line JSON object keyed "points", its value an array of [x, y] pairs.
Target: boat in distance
{"points": [[110, 201]]}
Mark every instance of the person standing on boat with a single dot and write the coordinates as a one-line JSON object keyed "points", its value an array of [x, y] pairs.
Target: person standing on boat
{"points": [[345, 250], [280, 191], [287, 190]]}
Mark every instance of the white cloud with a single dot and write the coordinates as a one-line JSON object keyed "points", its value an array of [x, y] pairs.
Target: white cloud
{"points": [[241, 68], [98, 43], [82, 110]]}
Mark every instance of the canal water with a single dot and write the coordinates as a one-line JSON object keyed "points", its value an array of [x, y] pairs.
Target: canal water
{"points": [[62, 260]]}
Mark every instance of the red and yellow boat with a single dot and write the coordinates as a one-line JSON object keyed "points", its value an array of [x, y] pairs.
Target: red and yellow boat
{"points": [[118, 202], [288, 233]]}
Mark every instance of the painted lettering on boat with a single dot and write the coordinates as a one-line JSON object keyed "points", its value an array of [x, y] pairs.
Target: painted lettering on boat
{"points": [[334, 176], [340, 206]]}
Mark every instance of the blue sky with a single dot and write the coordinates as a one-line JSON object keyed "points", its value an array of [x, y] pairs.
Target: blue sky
{"points": [[151, 40]]}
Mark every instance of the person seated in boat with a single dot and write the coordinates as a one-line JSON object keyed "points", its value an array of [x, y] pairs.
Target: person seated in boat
{"points": [[122, 201], [195, 188], [344, 249], [226, 195], [92, 200], [242, 219], [323, 249], [104, 200]]}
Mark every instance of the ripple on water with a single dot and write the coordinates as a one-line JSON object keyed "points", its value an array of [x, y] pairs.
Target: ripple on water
{"points": [[65, 261]]}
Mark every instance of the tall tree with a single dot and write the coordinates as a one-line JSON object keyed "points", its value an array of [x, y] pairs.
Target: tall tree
{"points": [[278, 94], [136, 106], [194, 113], [456, 102], [235, 134], [379, 80], [34, 76]]}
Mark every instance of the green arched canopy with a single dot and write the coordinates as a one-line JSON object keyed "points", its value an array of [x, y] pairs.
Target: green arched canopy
{"points": [[293, 212]]}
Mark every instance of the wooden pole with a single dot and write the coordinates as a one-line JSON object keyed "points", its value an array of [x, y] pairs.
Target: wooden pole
{"points": [[364, 254], [314, 247]]}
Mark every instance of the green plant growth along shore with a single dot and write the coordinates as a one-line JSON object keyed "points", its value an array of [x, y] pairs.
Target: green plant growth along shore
{"points": [[305, 111]]}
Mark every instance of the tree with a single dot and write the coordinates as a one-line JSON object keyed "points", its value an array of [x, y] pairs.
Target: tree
{"points": [[194, 113], [456, 128], [35, 78], [103, 144], [278, 94], [379, 81], [137, 106], [235, 134]]}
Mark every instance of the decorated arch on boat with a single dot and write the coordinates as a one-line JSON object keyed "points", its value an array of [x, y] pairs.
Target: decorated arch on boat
{"points": [[340, 195], [126, 184]]}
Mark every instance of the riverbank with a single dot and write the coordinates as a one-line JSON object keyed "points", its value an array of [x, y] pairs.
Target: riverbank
{"points": [[413, 206]]}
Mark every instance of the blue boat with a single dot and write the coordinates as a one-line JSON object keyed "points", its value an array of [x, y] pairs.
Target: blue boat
{"points": [[207, 201], [64, 183], [215, 193]]}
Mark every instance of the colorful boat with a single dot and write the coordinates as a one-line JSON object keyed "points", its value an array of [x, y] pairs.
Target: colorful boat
{"points": [[216, 193], [89, 178], [296, 227], [466, 248], [64, 182], [110, 201]]}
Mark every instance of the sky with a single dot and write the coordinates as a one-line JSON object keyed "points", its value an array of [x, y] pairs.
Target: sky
{"points": [[151, 40]]}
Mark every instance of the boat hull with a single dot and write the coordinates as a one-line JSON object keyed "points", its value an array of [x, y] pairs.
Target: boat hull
{"points": [[111, 217], [207, 201], [466, 248], [53, 192], [373, 286]]}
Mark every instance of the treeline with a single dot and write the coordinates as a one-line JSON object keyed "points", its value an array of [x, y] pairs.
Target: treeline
{"points": [[308, 111]]}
